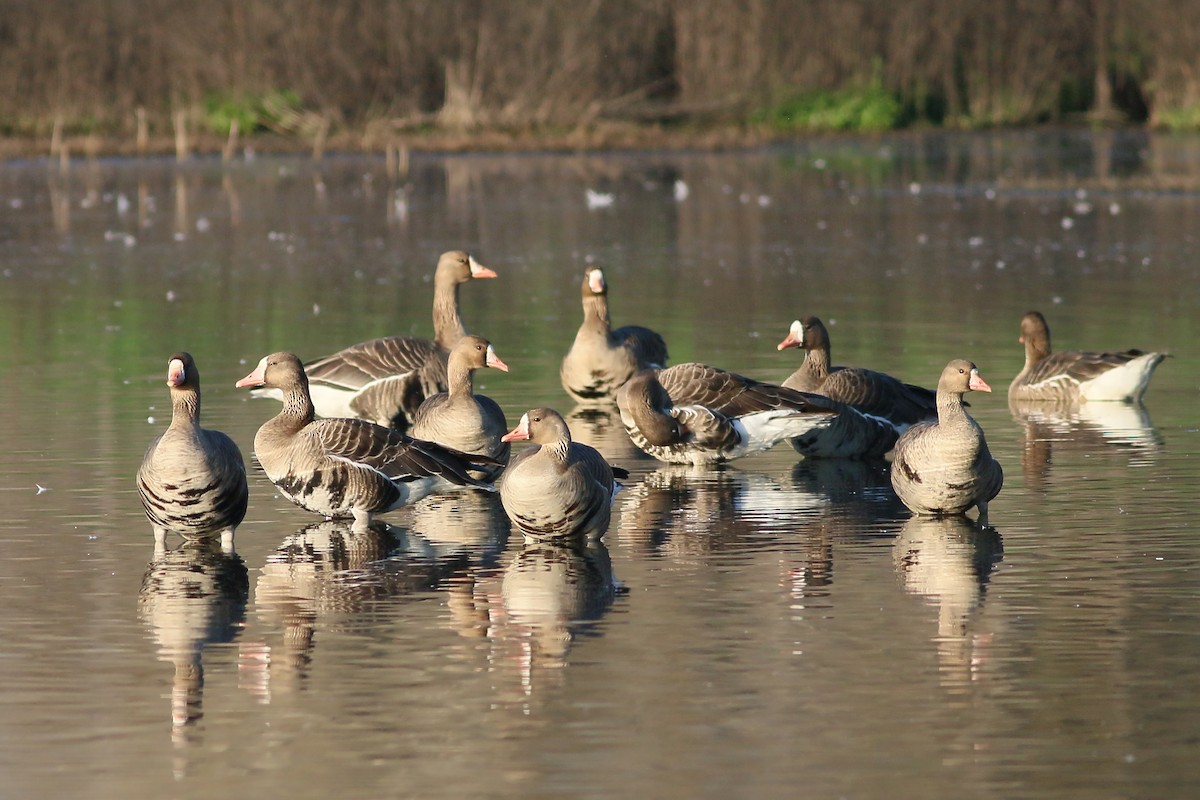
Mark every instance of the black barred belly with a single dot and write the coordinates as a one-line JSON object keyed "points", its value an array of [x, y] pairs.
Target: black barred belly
{"points": [[206, 508], [338, 492]]}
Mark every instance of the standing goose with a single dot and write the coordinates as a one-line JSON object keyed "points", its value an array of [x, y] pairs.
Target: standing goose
{"points": [[459, 418], [385, 380], [601, 359], [697, 414], [559, 487], [871, 392], [345, 467], [944, 466], [192, 480], [1075, 375]]}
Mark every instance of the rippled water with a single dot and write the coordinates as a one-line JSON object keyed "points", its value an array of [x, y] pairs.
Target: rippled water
{"points": [[777, 628]]}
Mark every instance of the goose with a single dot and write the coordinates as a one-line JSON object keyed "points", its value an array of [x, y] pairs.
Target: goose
{"points": [[696, 414], [871, 392], [602, 359], [460, 419], [559, 487], [346, 467], [385, 380], [1078, 375], [944, 466], [191, 480]]}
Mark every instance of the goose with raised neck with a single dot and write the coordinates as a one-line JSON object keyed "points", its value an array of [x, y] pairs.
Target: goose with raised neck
{"points": [[192, 480], [601, 359], [943, 466], [460, 419], [869, 391], [1078, 375], [344, 467], [385, 380]]}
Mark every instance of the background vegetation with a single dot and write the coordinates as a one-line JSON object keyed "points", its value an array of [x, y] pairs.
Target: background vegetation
{"points": [[366, 71]]}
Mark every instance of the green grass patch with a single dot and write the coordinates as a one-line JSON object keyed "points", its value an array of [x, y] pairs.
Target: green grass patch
{"points": [[868, 109]]}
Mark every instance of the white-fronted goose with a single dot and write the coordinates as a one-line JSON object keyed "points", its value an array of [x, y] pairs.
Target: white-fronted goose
{"points": [[460, 419], [385, 380], [944, 466], [345, 467], [192, 480], [697, 414], [558, 487], [602, 359], [869, 391], [1075, 375]]}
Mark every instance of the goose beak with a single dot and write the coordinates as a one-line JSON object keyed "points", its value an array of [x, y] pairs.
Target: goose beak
{"points": [[256, 378], [519, 433], [479, 270], [494, 361], [977, 384], [175, 373]]}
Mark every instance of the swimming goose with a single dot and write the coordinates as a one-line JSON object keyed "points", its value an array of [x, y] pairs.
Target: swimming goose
{"points": [[697, 414], [385, 380], [1075, 375], [191, 480], [944, 466], [459, 418], [559, 487], [346, 467], [602, 359], [871, 392]]}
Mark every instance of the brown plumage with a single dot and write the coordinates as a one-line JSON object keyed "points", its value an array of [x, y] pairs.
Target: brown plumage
{"points": [[1075, 375], [602, 359], [345, 467], [944, 466], [460, 419], [191, 480], [871, 392], [697, 414], [385, 380], [557, 487]]}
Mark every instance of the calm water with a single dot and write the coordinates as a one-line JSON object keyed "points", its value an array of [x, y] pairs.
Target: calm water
{"points": [[778, 628]]}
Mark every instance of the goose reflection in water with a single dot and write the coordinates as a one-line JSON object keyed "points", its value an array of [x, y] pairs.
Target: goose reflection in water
{"points": [[601, 428], [192, 596], [948, 561], [1085, 428], [338, 572], [551, 593]]}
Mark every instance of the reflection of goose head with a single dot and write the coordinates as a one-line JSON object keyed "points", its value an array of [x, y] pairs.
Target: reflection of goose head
{"points": [[948, 561], [550, 588], [601, 428], [192, 596], [858, 492]]}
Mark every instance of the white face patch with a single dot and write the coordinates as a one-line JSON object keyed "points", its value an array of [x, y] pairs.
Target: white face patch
{"points": [[596, 281], [797, 329], [176, 374]]}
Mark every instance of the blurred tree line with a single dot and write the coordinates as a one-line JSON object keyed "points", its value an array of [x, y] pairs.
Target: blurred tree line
{"points": [[308, 66]]}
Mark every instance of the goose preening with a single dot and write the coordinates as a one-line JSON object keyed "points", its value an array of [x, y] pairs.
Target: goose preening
{"points": [[602, 359], [460, 419], [192, 480], [1075, 375], [943, 466], [557, 487], [697, 414], [346, 467], [385, 380], [871, 392]]}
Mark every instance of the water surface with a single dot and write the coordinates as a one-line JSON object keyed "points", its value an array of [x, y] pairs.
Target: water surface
{"points": [[775, 628]]}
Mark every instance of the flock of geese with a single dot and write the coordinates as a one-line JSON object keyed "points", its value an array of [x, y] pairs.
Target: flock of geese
{"points": [[384, 423]]}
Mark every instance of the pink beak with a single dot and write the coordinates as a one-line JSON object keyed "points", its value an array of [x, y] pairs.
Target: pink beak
{"points": [[480, 271], [494, 361], [792, 340], [977, 383]]}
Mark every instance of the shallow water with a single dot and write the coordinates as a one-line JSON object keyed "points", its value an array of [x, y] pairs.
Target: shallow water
{"points": [[776, 628]]}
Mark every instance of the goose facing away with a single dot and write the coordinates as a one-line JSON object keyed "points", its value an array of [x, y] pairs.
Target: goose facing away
{"points": [[385, 380], [944, 466], [1075, 375], [192, 480], [871, 392], [346, 467], [602, 359], [460, 419], [697, 414], [557, 487]]}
